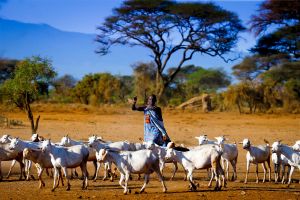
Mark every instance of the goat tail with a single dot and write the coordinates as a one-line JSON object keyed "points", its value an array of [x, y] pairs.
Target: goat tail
{"points": [[267, 142]]}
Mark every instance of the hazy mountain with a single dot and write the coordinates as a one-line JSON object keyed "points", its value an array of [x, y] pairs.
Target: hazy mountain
{"points": [[74, 53], [71, 52]]}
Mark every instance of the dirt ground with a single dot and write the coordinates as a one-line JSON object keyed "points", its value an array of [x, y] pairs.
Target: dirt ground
{"points": [[182, 126]]}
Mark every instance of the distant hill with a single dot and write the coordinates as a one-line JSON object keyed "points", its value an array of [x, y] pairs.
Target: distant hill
{"points": [[74, 53], [71, 52]]}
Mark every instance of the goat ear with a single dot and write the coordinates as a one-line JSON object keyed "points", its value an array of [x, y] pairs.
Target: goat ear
{"points": [[205, 135], [197, 138]]}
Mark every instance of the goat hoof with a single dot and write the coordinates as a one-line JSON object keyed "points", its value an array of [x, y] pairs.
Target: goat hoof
{"points": [[193, 188], [68, 188]]}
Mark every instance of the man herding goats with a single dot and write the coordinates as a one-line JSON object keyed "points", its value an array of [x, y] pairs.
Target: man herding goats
{"points": [[154, 130]]}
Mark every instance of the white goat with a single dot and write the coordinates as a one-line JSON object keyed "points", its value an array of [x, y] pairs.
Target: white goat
{"points": [[19, 145], [230, 154], [36, 138], [203, 157], [6, 154], [116, 146], [292, 156], [97, 144], [280, 162], [4, 140], [67, 157], [67, 142], [133, 162], [7, 139], [42, 161], [202, 139], [256, 155], [296, 146], [162, 152]]}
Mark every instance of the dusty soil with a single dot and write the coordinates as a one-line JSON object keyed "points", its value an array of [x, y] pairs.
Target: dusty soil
{"points": [[182, 126]]}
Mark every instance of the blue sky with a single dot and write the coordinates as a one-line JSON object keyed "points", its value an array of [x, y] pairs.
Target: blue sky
{"points": [[84, 16]]}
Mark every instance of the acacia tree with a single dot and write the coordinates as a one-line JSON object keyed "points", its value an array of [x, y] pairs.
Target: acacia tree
{"points": [[284, 18], [170, 29], [274, 12], [24, 87]]}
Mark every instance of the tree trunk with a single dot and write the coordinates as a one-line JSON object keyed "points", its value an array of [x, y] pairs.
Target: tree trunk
{"points": [[239, 107], [34, 126], [206, 103], [160, 87]]}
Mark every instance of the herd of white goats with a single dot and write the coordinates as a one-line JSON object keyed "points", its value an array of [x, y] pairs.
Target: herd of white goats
{"points": [[144, 158]]}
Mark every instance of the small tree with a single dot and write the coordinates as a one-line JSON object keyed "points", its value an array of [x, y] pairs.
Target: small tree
{"points": [[23, 88], [126, 87], [97, 88], [62, 90], [242, 94]]}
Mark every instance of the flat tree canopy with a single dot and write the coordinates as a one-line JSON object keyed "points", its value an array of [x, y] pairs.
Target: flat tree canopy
{"points": [[168, 29]]}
